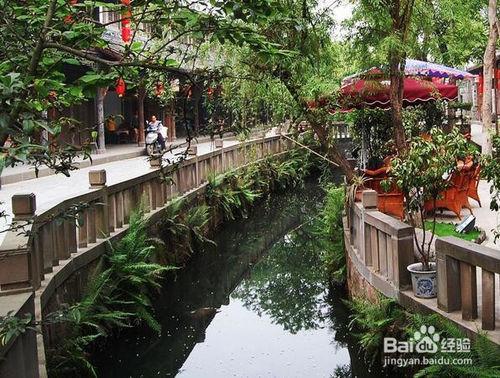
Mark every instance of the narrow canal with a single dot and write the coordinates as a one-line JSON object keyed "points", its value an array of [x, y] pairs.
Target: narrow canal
{"points": [[258, 305]]}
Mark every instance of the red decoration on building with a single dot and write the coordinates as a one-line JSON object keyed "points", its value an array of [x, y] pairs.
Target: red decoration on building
{"points": [[480, 84], [126, 34], [120, 87], [125, 21]]}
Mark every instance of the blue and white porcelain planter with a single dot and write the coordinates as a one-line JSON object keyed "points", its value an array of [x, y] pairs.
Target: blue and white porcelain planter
{"points": [[424, 282]]}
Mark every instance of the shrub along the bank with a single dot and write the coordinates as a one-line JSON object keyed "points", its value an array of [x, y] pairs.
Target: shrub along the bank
{"points": [[372, 322], [331, 230], [230, 195], [118, 295]]}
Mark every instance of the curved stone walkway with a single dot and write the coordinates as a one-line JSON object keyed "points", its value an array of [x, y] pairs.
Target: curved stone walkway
{"points": [[51, 190]]}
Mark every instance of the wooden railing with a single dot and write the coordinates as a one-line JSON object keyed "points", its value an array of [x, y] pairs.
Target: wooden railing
{"points": [[458, 289], [38, 243]]}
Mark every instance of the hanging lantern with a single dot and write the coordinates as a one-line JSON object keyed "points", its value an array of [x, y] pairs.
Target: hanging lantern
{"points": [[159, 88], [126, 34], [120, 87], [68, 19], [126, 15], [73, 2]]}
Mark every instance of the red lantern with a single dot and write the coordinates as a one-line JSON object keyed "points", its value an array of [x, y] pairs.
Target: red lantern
{"points": [[126, 34], [126, 2], [120, 87], [73, 2], [210, 91], [68, 19]]}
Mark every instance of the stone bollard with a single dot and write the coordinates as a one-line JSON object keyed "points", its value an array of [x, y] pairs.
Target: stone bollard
{"points": [[23, 206], [219, 143], [97, 178], [97, 215], [19, 264], [192, 150], [369, 199], [155, 161]]}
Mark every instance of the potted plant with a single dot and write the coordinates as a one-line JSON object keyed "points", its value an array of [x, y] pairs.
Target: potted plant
{"points": [[422, 173]]}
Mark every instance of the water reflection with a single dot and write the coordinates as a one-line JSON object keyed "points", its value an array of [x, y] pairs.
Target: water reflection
{"points": [[233, 312], [289, 284]]}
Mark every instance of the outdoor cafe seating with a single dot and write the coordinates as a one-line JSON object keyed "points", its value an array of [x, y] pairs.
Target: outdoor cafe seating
{"points": [[463, 184]]}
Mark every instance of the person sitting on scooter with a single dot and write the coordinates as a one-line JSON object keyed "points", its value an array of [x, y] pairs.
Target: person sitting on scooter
{"points": [[155, 125]]}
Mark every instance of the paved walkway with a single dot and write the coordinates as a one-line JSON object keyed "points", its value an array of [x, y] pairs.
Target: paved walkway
{"points": [[51, 190], [114, 152]]}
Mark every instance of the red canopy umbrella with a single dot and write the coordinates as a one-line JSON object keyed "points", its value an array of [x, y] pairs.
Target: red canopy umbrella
{"points": [[375, 93]]}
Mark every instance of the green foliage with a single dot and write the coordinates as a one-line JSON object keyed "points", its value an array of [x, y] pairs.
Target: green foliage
{"points": [[331, 230], [448, 229], [118, 295], [445, 31], [422, 170], [491, 172], [422, 118], [376, 126], [374, 321], [485, 354], [183, 230], [232, 193], [12, 326], [45, 64], [387, 318], [228, 194]]}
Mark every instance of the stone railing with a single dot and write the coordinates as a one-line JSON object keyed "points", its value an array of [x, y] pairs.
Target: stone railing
{"points": [[51, 253], [381, 246], [458, 289], [379, 249]]}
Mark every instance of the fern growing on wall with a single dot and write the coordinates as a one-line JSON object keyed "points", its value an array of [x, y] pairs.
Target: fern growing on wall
{"points": [[118, 295]]}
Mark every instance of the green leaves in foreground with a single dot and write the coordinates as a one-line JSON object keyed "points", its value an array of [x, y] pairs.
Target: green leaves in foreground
{"points": [[12, 326]]}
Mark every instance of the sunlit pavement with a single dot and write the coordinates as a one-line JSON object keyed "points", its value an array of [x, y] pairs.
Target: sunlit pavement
{"points": [[51, 190]]}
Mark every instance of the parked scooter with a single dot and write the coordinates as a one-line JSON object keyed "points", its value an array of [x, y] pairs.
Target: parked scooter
{"points": [[153, 146]]}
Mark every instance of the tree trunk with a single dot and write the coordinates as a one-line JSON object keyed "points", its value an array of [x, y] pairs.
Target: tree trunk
{"points": [[141, 95], [101, 133], [488, 74], [396, 97]]}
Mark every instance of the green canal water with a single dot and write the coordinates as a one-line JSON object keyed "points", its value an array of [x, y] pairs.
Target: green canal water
{"points": [[258, 305]]}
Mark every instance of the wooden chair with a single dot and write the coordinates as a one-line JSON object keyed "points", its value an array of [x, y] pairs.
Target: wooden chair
{"points": [[391, 201], [473, 185], [455, 197]]}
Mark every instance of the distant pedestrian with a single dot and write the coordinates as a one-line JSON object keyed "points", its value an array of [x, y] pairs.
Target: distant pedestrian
{"points": [[156, 125]]}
